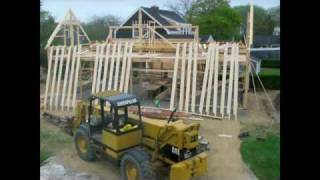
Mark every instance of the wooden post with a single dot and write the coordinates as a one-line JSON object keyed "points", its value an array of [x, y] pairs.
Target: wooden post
{"points": [[194, 77], [59, 78], [205, 79], [236, 79], [186, 105], [94, 76], [112, 66], [100, 61], [70, 82], [116, 77], [182, 77], [129, 74], [140, 24], [230, 84], [209, 90], [174, 78], [76, 78], [224, 74], [65, 77], [48, 77], [105, 69], [54, 76], [216, 82], [123, 66]]}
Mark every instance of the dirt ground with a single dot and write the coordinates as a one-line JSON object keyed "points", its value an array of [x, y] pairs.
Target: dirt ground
{"points": [[225, 161]]}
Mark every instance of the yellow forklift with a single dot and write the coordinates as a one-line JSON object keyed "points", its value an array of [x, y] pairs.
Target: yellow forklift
{"points": [[140, 145]]}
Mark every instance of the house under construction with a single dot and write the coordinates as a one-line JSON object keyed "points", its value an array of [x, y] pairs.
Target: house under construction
{"points": [[156, 55]]}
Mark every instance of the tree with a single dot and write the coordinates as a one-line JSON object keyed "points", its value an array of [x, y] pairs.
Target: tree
{"points": [[264, 21], [189, 9], [222, 22], [47, 25], [98, 27]]}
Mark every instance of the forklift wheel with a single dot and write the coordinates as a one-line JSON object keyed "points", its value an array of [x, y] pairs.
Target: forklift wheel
{"points": [[83, 145], [135, 165]]}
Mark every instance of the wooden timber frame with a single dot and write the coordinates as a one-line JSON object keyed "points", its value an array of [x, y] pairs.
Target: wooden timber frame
{"points": [[203, 79]]}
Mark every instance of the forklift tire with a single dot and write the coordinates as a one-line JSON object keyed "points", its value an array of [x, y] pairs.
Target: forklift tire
{"points": [[84, 148], [135, 165]]}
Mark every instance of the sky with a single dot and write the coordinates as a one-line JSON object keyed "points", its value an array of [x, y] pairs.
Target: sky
{"points": [[85, 9]]}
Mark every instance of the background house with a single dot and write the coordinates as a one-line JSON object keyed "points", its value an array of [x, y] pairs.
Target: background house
{"points": [[154, 16]]}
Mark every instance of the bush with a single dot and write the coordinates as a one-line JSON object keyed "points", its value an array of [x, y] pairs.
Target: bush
{"points": [[270, 78]]}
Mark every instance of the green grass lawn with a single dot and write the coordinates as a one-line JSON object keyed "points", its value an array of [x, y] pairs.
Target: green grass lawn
{"points": [[270, 72], [263, 157]]}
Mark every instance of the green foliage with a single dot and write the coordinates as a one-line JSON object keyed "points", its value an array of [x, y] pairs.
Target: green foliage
{"points": [[263, 157], [44, 155], [264, 20], [222, 22], [98, 27]]}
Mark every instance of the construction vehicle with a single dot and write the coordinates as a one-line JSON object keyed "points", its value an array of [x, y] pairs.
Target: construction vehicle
{"points": [[103, 127]]}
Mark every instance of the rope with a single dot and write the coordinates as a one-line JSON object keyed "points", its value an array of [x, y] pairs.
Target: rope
{"points": [[254, 89], [267, 95]]}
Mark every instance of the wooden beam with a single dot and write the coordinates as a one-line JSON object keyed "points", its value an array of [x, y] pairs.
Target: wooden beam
{"points": [[236, 80], [66, 74], [209, 90], [224, 74], [100, 60], [48, 77], [186, 105], [59, 78], [116, 77], [112, 66], [123, 67], [128, 74], [174, 78], [182, 77], [54, 77], [96, 62], [105, 69], [230, 84], [70, 82], [205, 79], [76, 78], [194, 77], [216, 82]]}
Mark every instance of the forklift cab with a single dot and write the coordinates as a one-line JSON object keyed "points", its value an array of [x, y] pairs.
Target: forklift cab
{"points": [[113, 112], [111, 125]]}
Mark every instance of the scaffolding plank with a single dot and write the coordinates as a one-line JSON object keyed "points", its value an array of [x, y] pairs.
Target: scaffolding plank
{"points": [[182, 77], [174, 78], [66, 74], [48, 77], [205, 79], [59, 78], [105, 69], [186, 105]]}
